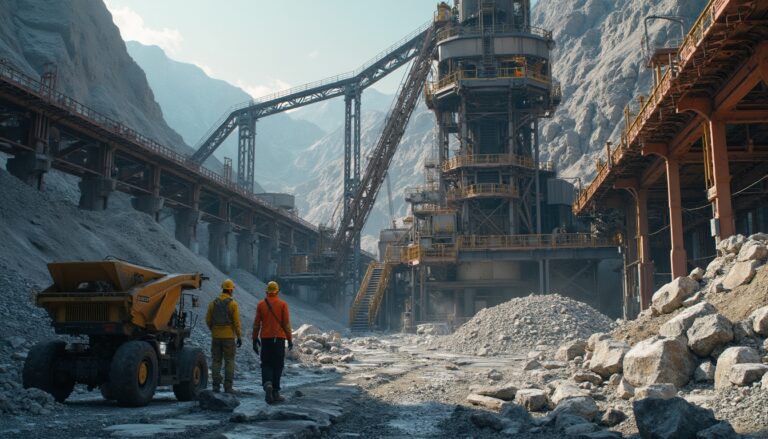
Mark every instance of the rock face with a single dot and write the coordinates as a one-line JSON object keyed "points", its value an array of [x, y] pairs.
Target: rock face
{"points": [[678, 325], [600, 66], [607, 357], [659, 360], [760, 321], [90, 57], [729, 358], [709, 333], [673, 418], [670, 297], [740, 274]]}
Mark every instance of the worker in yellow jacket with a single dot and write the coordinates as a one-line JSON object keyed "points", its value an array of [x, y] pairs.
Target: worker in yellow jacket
{"points": [[223, 319]]}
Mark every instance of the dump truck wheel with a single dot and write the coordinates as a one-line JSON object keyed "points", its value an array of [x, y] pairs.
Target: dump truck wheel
{"points": [[133, 374], [39, 370], [193, 374]]}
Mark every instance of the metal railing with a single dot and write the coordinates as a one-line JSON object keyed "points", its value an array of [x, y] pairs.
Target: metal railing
{"points": [[463, 31], [484, 190], [495, 159], [452, 79], [362, 291], [634, 123], [378, 295], [11, 74], [431, 209], [439, 252], [548, 241]]}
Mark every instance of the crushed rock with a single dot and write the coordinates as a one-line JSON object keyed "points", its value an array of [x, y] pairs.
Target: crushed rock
{"points": [[527, 323]]}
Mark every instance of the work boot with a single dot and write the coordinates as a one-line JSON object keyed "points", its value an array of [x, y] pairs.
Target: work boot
{"points": [[276, 397], [231, 390], [269, 393], [216, 388]]}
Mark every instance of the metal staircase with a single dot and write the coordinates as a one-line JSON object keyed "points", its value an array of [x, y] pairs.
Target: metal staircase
{"points": [[365, 307]]}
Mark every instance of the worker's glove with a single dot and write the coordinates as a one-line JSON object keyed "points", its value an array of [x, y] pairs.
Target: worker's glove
{"points": [[256, 345], [239, 342], [290, 345]]}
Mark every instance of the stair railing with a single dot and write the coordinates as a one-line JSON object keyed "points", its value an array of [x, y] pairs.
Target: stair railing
{"points": [[361, 292], [379, 294]]}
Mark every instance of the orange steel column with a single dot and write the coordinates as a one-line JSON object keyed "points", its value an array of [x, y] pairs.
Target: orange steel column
{"points": [[645, 266], [677, 254], [720, 193]]}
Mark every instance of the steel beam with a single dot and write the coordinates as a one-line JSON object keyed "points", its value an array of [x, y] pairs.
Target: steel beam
{"points": [[720, 192], [246, 152]]}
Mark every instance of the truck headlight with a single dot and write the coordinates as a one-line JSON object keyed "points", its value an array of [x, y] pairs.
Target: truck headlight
{"points": [[163, 347]]}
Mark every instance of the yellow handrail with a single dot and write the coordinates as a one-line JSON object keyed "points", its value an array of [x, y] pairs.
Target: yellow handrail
{"points": [[501, 73], [483, 189], [373, 308], [361, 292], [494, 159]]}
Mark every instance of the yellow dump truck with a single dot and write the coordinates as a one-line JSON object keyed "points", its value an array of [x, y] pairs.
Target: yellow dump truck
{"points": [[135, 324]]}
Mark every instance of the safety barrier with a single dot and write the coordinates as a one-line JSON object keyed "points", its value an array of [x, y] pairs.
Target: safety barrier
{"points": [[461, 161], [483, 190], [468, 31], [453, 79]]}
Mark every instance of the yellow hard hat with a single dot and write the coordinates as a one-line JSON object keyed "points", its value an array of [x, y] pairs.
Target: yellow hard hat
{"points": [[228, 285], [272, 286]]}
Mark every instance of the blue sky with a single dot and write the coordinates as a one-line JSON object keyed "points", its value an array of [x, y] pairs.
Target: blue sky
{"points": [[265, 46]]}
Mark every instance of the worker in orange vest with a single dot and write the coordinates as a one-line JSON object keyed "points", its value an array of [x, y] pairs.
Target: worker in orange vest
{"points": [[271, 329]]}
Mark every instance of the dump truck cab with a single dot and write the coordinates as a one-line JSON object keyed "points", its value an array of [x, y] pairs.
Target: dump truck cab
{"points": [[135, 322]]}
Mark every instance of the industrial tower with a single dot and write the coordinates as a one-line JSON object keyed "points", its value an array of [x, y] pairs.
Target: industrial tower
{"points": [[491, 217]]}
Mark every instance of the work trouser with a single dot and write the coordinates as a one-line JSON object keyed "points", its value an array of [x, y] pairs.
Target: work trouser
{"points": [[272, 361], [223, 349]]}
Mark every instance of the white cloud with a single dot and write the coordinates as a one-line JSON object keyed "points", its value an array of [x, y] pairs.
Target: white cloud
{"points": [[259, 90], [313, 54], [133, 28]]}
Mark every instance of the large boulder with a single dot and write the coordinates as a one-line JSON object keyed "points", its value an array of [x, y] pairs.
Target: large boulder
{"points": [[659, 360], [752, 251], [673, 418], [679, 324], [583, 406], [485, 401], [594, 338], [217, 401], [697, 274], [760, 321], [505, 391], [587, 377], [670, 297], [659, 391], [722, 430], [532, 399], [305, 330], [704, 373], [741, 273], [729, 358], [607, 357], [565, 391], [746, 373], [571, 350], [709, 333], [732, 244]]}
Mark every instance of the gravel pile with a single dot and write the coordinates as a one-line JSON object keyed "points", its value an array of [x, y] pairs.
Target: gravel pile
{"points": [[523, 324], [15, 400]]}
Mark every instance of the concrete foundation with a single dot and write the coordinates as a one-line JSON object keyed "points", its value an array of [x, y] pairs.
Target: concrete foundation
{"points": [[247, 251], [219, 245], [186, 228], [95, 191], [29, 167], [149, 204]]}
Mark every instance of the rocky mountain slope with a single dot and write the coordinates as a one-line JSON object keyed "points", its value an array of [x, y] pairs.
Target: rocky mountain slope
{"points": [[93, 66], [193, 102], [598, 60]]}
